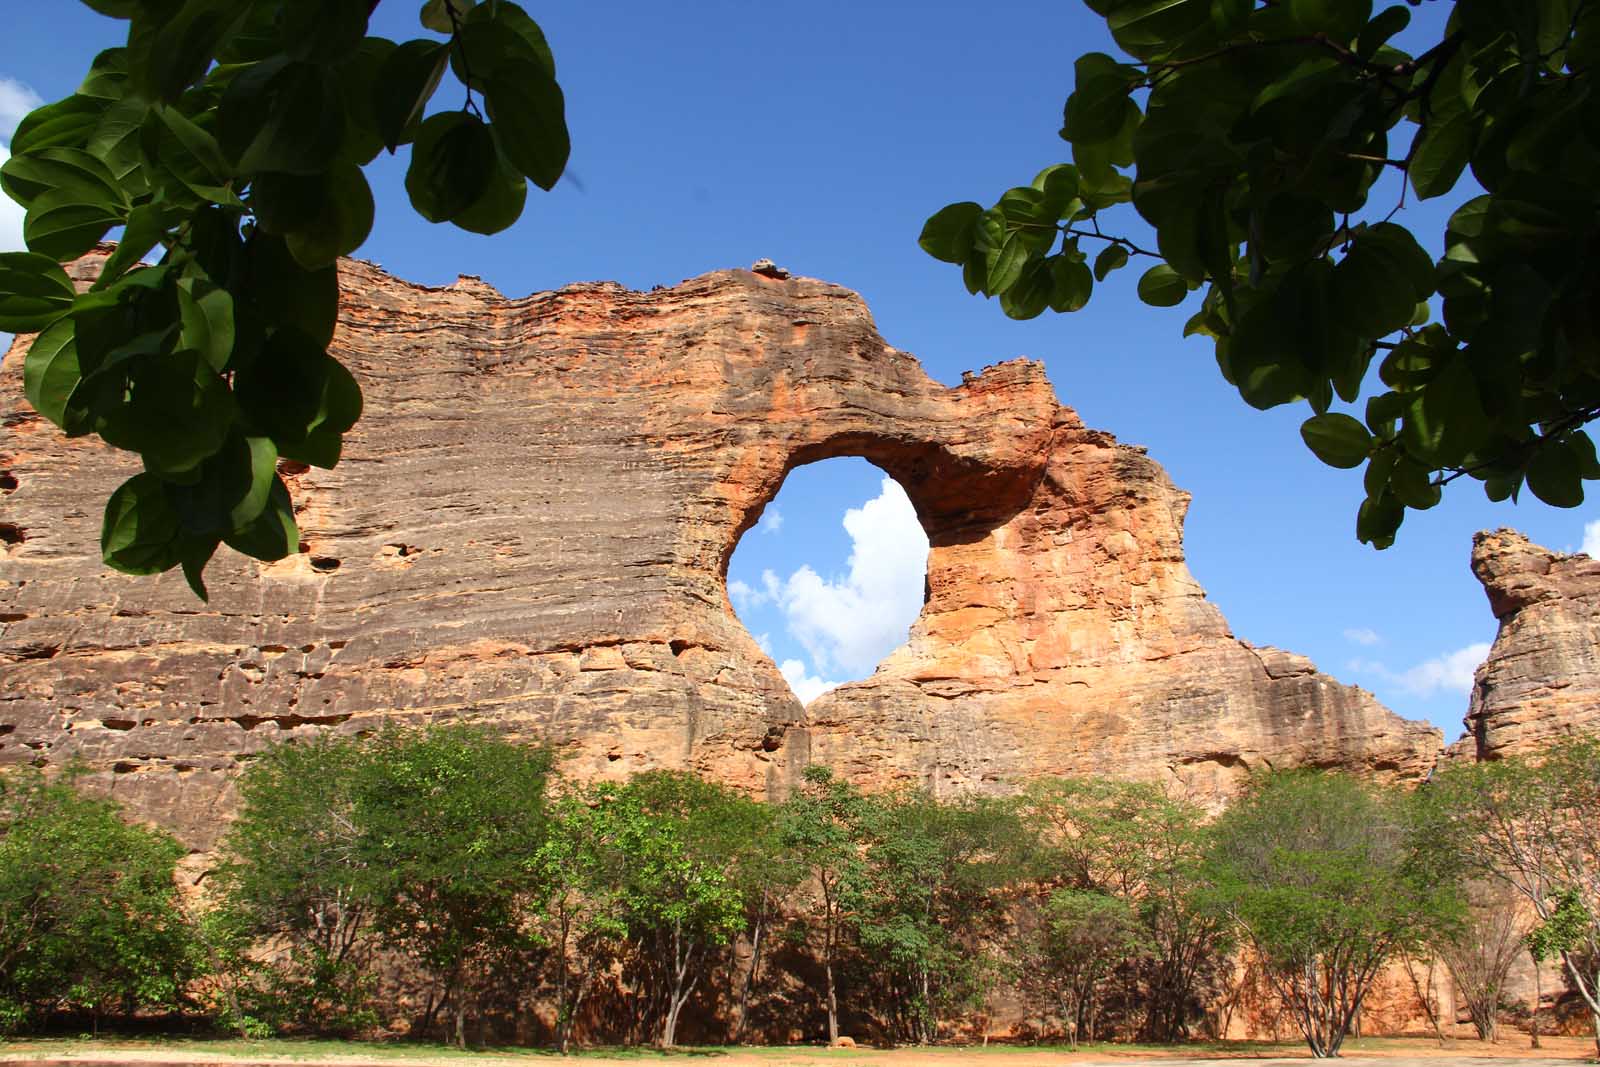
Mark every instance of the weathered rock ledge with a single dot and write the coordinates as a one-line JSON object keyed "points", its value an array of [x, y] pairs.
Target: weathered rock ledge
{"points": [[532, 525], [1541, 680]]}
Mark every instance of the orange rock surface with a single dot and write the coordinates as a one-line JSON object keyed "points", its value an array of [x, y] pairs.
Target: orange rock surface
{"points": [[531, 528], [1542, 677]]}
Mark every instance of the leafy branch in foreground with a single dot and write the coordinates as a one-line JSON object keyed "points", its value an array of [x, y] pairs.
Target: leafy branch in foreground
{"points": [[228, 137], [1254, 132]]}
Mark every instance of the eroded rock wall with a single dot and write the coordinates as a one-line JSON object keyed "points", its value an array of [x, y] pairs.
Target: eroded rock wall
{"points": [[531, 527], [1541, 680]]}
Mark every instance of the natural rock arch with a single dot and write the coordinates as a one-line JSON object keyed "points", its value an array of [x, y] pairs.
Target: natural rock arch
{"points": [[532, 526]]}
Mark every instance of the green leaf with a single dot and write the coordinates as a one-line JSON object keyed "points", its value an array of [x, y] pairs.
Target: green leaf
{"points": [[435, 14], [1379, 283], [282, 116], [63, 227], [451, 164], [195, 558], [1058, 186], [263, 474], [358, 82], [232, 489], [199, 159], [1071, 284], [1097, 109], [1445, 420], [108, 76], [182, 43], [1111, 257], [289, 295], [1555, 474], [1341, 20], [1379, 520], [1583, 449], [405, 83], [529, 113], [336, 219], [34, 291], [179, 412], [1442, 152], [273, 534], [295, 389], [147, 225], [63, 170], [64, 124], [1147, 28], [117, 9], [947, 236], [1006, 265], [323, 31], [50, 371], [501, 203], [140, 532], [1384, 410], [206, 312], [1413, 485], [1336, 439], [1161, 287], [1292, 227], [494, 35], [1386, 24], [117, 142], [975, 273], [1029, 295]]}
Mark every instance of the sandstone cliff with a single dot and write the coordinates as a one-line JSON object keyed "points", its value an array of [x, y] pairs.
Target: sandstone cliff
{"points": [[532, 525], [1542, 677]]}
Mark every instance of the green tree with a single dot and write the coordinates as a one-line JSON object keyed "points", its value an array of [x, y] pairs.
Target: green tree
{"points": [[1248, 134], [933, 900], [89, 914], [681, 839], [768, 876], [577, 873], [291, 872], [1076, 941], [448, 817], [1325, 878], [227, 138], [1535, 827], [824, 823], [1132, 841], [1481, 950]]}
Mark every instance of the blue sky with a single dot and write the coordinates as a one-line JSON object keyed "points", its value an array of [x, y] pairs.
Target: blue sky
{"points": [[710, 134]]}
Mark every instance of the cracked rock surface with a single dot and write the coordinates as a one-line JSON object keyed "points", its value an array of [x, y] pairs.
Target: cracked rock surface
{"points": [[1541, 680], [531, 528]]}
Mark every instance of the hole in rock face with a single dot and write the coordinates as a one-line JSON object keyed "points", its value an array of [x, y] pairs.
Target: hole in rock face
{"points": [[832, 576]]}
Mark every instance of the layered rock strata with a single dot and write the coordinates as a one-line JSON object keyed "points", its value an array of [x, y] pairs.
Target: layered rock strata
{"points": [[1541, 680], [531, 528]]}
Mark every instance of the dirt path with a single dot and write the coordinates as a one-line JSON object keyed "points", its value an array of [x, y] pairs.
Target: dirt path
{"points": [[1557, 1052]]}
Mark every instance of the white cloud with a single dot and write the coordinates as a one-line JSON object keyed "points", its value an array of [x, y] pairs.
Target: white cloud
{"points": [[849, 624], [764, 642], [744, 597], [771, 521], [1362, 636], [806, 687], [16, 100], [1451, 672], [1591, 539], [10, 216]]}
